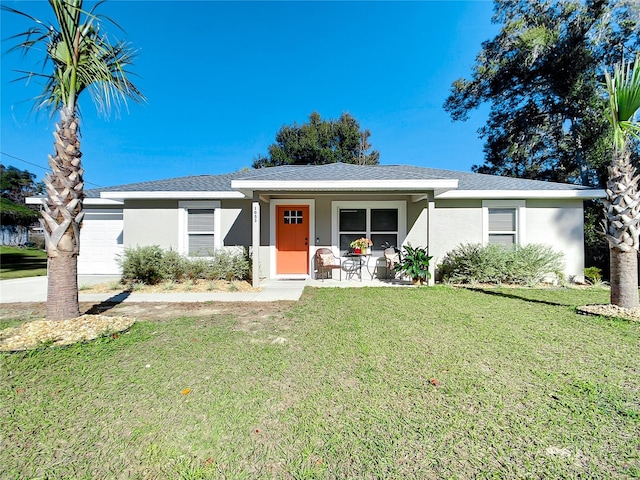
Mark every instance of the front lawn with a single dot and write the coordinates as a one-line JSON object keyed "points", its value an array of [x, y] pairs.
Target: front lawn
{"points": [[22, 262], [387, 383]]}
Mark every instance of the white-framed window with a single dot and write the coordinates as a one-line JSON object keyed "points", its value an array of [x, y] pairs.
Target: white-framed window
{"points": [[504, 222], [384, 223], [199, 227]]}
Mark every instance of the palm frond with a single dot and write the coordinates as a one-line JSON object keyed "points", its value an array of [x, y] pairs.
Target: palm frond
{"points": [[82, 58], [623, 88]]}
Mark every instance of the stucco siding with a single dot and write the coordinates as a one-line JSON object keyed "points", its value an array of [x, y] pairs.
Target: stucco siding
{"points": [[453, 222], [323, 222], [417, 223], [151, 222], [560, 225], [235, 223]]}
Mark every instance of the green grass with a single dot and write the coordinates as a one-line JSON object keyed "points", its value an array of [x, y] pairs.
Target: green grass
{"points": [[22, 262], [351, 383]]}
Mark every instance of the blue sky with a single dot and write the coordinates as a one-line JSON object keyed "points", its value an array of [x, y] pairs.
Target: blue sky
{"points": [[222, 77]]}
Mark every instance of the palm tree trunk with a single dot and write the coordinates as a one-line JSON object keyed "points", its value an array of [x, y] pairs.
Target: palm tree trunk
{"points": [[622, 230], [62, 219], [624, 278]]}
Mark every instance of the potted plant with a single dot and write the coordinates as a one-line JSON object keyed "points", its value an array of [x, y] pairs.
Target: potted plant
{"points": [[361, 245], [414, 263]]}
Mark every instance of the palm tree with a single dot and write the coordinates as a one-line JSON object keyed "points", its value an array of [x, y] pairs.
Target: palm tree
{"points": [[622, 205], [82, 58]]}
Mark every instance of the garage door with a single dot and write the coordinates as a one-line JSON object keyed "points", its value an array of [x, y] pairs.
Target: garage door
{"points": [[100, 242]]}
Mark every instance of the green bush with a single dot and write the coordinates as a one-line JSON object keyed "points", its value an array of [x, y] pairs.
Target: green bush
{"points": [[198, 268], [593, 275], [143, 264], [174, 266], [475, 263], [152, 265], [229, 265]]}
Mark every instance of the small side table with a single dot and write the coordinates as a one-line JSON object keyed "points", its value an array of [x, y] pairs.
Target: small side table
{"points": [[355, 266]]}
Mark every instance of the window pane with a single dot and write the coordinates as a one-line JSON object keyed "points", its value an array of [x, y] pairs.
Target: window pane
{"points": [[200, 220], [200, 245], [346, 239], [384, 220], [353, 220], [502, 219], [502, 239], [379, 240]]}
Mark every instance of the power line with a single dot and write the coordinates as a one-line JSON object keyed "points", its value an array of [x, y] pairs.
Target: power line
{"points": [[42, 168]]}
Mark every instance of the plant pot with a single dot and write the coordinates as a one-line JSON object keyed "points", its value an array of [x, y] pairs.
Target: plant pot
{"points": [[365, 250], [357, 250], [418, 281]]}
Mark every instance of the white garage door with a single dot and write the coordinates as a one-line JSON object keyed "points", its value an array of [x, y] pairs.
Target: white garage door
{"points": [[100, 242]]}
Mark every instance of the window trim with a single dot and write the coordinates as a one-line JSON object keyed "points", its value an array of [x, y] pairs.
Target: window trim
{"points": [[183, 219], [521, 216], [337, 205]]}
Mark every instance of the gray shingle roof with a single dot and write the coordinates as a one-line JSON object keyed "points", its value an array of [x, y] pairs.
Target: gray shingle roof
{"points": [[336, 171], [195, 183]]}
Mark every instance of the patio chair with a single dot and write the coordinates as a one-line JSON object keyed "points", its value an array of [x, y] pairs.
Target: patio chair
{"points": [[326, 262], [392, 258]]}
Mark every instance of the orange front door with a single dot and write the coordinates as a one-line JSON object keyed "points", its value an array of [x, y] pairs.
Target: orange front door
{"points": [[292, 239]]}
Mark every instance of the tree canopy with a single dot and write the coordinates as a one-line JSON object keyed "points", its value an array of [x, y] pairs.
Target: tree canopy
{"points": [[16, 184], [320, 142], [542, 76]]}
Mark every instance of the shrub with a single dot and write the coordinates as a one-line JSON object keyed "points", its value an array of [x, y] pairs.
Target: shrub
{"points": [[198, 268], [593, 275], [475, 263], [229, 265], [152, 265], [142, 264], [174, 266]]}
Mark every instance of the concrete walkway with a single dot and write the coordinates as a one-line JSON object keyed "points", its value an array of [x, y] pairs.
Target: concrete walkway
{"points": [[34, 289]]}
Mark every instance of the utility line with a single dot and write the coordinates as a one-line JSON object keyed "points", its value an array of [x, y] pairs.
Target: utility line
{"points": [[42, 168]]}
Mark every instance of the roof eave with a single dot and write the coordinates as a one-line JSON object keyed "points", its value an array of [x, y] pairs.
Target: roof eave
{"points": [[249, 186], [183, 195], [87, 201], [584, 194]]}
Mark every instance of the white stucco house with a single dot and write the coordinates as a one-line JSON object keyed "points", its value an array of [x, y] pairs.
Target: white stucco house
{"points": [[283, 214]]}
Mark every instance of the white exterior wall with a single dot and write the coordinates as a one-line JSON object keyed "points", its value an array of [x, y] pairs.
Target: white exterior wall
{"points": [[560, 224], [417, 224], [235, 223], [151, 222], [440, 225], [453, 222]]}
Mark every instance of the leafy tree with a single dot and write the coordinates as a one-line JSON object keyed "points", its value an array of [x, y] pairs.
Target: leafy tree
{"points": [[319, 142], [622, 205], [16, 184], [541, 75], [81, 58], [12, 213]]}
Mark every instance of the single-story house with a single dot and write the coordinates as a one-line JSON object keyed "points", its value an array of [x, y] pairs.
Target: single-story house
{"points": [[283, 214]]}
